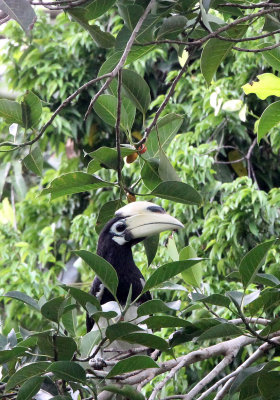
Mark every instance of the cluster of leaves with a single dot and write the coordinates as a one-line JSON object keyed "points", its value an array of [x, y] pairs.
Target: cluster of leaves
{"points": [[228, 218]]}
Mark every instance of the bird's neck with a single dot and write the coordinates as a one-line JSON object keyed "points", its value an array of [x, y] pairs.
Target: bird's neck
{"points": [[119, 256]]}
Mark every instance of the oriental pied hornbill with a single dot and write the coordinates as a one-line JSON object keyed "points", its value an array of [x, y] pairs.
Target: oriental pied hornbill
{"points": [[131, 224]]}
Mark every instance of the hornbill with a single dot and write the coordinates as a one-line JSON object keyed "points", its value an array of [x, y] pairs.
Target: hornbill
{"points": [[131, 224]]}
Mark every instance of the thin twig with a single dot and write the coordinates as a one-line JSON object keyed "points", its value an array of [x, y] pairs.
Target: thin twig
{"points": [[124, 56], [93, 354], [118, 131], [274, 46]]}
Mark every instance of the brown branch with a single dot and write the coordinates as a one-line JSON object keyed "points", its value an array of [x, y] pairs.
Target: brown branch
{"points": [[124, 56], [254, 357], [257, 354], [93, 354]]}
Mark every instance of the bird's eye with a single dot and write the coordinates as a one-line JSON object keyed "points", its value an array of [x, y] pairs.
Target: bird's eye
{"points": [[120, 227]]}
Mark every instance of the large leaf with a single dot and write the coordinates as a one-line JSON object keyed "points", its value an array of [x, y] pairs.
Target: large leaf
{"points": [[34, 161], [171, 26], [266, 85], [177, 191], [26, 372], [132, 364], [106, 108], [7, 355], [252, 261], [102, 268], [166, 321], [147, 340], [120, 329], [269, 385], [152, 307], [21, 11], [68, 370], [24, 298], [31, 110], [167, 128], [150, 174], [53, 308], [193, 275], [215, 51], [30, 388], [167, 271], [126, 391], [82, 297], [74, 182], [151, 246], [10, 111], [269, 118], [165, 169], [220, 331], [93, 10], [272, 56], [61, 348], [136, 89], [215, 299]]}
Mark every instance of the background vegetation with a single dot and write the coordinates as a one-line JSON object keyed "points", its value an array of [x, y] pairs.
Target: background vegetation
{"points": [[209, 125]]}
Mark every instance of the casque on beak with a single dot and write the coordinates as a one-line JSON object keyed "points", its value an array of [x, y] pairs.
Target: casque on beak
{"points": [[144, 219]]}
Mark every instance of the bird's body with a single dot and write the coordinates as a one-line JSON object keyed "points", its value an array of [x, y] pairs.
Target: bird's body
{"points": [[131, 224]]}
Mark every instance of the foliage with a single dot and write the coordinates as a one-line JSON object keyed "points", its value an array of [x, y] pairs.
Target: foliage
{"points": [[62, 177]]}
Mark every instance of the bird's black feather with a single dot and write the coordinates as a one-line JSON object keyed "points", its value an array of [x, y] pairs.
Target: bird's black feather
{"points": [[120, 257]]}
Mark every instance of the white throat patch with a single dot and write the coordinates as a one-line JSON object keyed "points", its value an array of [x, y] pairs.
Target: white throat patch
{"points": [[120, 240]]}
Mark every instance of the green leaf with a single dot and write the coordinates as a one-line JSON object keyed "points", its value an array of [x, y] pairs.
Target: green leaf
{"points": [[177, 191], [266, 85], [31, 108], [269, 385], [150, 174], [61, 348], [167, 271], [30, 388], [102, 268], [171, 26], [27, 371], [96, 315], [7, 355], [193, 276], [82, 297], [167, 128], [272, 56], [53, 309], [74, 182], [23, 14], [172, 250], [220, 331], [107, 157], [107, 212], [136, 89], [215, 51], [120, 329], [24, 298], [68, 370], [126, 391], [147, 340], [132, 364], [269, 118], [10, 111], [215, 299], [165, 169], [88, 342], [90, 11], [153, 307], [151, 246], [165, 321], [106, 108], [252, 262], [34, 161]]}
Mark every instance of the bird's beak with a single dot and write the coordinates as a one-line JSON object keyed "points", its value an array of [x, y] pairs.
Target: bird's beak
{"points": [[147, 224]]}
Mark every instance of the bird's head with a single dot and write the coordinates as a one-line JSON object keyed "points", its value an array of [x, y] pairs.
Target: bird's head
{"points": [[137, 221]]}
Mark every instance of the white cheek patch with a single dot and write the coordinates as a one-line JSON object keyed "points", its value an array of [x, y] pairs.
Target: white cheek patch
{"points": [[120, 240]]}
